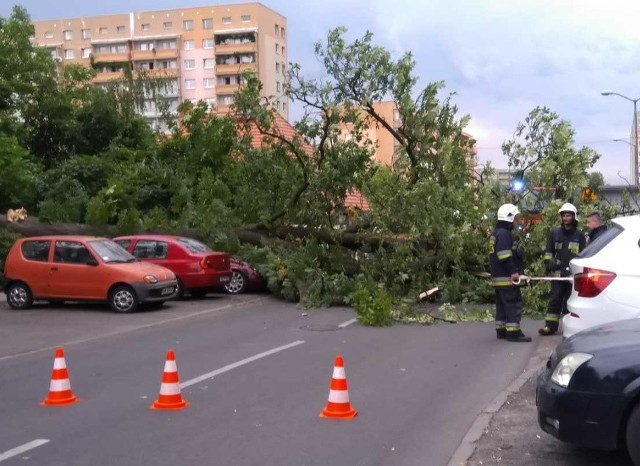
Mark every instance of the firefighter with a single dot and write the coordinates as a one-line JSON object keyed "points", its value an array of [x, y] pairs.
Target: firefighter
{"points": [[563, 244], [505, 261]]}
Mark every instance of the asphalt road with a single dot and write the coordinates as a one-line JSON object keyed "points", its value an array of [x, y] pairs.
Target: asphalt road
{"points": [[256, 373]]}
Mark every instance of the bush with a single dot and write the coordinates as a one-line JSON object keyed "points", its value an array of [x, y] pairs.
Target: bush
{"points": [[372, 304], [7, 238]]}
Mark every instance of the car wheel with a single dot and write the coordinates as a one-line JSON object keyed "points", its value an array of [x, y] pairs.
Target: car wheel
{"points": [[123, 299], [19, 296], [180, 292], [238, 283], [633, 434]]}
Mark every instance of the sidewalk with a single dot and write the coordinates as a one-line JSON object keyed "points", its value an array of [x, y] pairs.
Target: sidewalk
{"points": [[507, 432]]}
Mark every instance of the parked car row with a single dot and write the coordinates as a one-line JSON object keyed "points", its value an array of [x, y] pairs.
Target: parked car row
{"points": [[589, 393], [125, 272]]}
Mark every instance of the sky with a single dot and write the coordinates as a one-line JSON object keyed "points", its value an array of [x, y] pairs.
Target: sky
{"points": [[502, 58]]}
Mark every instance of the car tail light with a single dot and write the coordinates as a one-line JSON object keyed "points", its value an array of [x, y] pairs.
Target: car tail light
{"points": [[216, 262], [591, 282]]}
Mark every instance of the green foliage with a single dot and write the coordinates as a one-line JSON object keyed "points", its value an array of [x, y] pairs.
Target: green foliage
{"points": [[102, 209], [156, 219], [18, 175], [129, 221], [372, 303]]}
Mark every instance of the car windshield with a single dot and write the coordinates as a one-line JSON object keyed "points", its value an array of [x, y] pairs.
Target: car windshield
{"points": [[596, 246], [193, 245], [109, 251]]}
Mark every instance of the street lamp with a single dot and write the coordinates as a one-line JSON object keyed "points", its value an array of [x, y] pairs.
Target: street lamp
{"points": [[634, 162]]}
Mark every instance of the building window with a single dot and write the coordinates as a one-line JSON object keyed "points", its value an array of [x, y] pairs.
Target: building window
{"points": [[167, 25], [189, 45], [284, 71], [283, 51], [68, 35], [207, 43], [208, 63], [277, 49], [86, 33], [226, 20], [166, 44], [187, 25], [211, 103], [277, 30], [121, 29], [86, 53], [209, 83], [189, 64], [284, 106], [282, 33], [278, 86], [245, 18], [207, 23], [226, 99], [68, 54], [48, 34], [277, 67], [145, 27], [103, 30], [189, 83]]}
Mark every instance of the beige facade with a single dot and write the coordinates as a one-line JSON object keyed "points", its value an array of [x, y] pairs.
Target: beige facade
{"points": [[386, 145], [201, 51]]}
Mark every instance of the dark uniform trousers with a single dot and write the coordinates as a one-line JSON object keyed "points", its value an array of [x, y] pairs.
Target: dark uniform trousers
{"points": [[508, 307], [560, 292]]}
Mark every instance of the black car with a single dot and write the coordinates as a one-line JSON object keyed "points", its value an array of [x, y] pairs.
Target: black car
{"points": [[589, 393]]}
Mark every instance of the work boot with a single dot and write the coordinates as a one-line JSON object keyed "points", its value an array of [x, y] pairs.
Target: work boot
{"points": [[518, 337], [501, 333], [549, 328]]}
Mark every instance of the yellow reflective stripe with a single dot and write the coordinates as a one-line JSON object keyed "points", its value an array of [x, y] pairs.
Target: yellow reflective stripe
{"points": [[574, 247], [501, 281], [512, 328], [552, 317], [504, 254], [548, 256]]}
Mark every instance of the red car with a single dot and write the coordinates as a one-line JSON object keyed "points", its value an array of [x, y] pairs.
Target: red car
{"points": [[244, 278], [198, 269]]}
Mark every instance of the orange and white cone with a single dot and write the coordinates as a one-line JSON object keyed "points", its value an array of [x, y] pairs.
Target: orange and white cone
{"points": [[170, 396], [338, 406], [60, 393]]}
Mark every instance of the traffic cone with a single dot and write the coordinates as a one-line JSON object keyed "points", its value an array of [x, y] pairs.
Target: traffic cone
{"points": [[60, 393], [338, 406], [170, 397]]}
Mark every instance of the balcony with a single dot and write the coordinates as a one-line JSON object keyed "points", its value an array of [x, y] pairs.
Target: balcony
{"points": [[228, 49], [107, 76], [235, 68], [227, 88], [111, 57], [162, 73]]}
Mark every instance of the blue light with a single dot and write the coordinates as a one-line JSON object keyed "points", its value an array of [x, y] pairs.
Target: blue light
{"points": [[517, 185]]}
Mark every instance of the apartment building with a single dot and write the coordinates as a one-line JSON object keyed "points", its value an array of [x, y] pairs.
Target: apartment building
{"points": [[199, 52]]}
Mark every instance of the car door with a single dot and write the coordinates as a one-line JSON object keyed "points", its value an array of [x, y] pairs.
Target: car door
{"points": [[36, 269], [71, 274]]}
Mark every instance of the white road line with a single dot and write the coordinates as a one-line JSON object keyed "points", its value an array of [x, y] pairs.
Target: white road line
{"points": [[347, 323], [22, 448], [208, 375]]}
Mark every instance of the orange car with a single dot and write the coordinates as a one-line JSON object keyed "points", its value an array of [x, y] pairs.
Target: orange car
{"points": [[82, 268]]}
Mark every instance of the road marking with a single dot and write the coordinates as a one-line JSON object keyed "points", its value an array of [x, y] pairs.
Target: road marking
{"points": [[22, 448], [347, 323], [208, 375]]}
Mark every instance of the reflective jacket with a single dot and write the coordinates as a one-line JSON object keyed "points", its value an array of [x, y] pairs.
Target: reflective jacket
{"points": [[562, 246], [505, 258]]}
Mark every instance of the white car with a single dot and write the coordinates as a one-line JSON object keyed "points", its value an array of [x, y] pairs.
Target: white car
{"points": [[606, 278]]}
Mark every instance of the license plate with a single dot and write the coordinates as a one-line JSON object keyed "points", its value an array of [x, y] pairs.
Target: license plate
{"points": [[225, 278], [168, 290]]}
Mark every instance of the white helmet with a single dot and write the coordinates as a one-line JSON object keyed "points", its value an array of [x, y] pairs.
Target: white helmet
{"points": [[507, 212], [568, 207]]}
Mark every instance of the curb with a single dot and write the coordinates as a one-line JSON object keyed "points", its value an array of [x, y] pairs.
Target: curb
{"points": [[536, 363]]}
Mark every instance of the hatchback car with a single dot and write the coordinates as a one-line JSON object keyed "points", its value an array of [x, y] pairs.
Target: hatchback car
{"points": [[589, 394], [198, 269], [606, 281], [245, 277], [82, 268]]}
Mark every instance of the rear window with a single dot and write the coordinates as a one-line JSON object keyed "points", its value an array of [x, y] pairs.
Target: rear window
{"points": [[601, 241], [36, 250], [193, 245]]}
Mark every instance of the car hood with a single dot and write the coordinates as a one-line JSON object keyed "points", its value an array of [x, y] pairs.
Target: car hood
{"points": [[145, 268], [614, 336]]}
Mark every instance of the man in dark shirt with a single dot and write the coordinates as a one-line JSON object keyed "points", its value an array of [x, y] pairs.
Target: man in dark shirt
{"points": [[595, 226]]}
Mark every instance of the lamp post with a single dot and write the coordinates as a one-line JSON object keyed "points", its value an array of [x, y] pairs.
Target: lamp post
{"points": [[634, 162]]}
